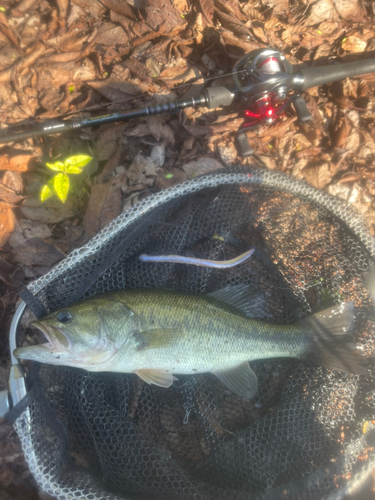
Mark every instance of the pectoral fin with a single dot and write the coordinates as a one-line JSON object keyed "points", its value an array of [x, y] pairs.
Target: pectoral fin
{"points": [[162, 378], [241, 380]]}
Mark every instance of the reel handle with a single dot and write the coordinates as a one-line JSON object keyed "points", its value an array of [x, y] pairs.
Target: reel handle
{"points": [[313, 77]]}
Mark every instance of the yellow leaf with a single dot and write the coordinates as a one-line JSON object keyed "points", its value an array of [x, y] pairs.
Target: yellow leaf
{"points": [[61, 186], [75, 164], [45, 193], [57, 166]]}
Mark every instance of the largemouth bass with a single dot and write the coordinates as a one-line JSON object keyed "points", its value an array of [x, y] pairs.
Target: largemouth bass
{"points": [[157, 334]]}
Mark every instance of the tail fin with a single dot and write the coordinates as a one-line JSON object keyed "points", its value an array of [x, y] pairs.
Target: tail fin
{"points": [[331, 347]]}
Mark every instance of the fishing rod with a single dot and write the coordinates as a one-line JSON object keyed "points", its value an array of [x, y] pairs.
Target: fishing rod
{"points": [[264, 81]]}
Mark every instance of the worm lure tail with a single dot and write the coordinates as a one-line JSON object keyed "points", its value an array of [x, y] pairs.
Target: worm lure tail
{"points": [[179, 259]]}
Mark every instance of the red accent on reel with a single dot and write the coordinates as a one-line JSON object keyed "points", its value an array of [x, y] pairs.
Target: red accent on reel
{"points": [[262, 109], [270, 66]]}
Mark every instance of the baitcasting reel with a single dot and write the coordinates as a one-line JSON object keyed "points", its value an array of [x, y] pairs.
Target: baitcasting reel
{"points": [[267, 85], [264, 80]]}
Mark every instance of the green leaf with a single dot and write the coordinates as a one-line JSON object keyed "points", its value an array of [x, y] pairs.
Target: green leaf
{"points": [[61, 186], [71, 89], [169, 176], [57, 166], [45, 193], [75, 164]]}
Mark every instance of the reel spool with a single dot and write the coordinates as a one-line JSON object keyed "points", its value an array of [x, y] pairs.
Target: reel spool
{"points": [[266, 82]]}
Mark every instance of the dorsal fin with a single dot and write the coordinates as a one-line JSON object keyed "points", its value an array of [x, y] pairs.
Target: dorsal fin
{"points": [[247, 301]]}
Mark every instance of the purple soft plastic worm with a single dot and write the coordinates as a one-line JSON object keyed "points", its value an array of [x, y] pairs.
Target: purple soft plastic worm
{"points": [[178, 259]]}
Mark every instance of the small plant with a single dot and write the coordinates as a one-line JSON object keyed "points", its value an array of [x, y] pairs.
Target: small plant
{"points": [[59, 184]]}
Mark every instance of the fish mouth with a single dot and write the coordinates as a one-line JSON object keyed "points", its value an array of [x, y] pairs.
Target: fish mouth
{"points": [[57, 343]]}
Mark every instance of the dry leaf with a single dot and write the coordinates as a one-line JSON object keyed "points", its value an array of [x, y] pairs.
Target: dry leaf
{"points": [[168, 179], [163, 12], [201, 166], [207, 8], [107, 142], [36, 252], [233, 24], [322, 10], [349, 9], [50, 212], [141, 173], [111, 164], [7, 222], [120, 7], [116, 90], [157, 155], [26, 229], [7, 30], [318, 175], [20, 163], [11, 187], [160, 131], [353, 44], [104, 205]]}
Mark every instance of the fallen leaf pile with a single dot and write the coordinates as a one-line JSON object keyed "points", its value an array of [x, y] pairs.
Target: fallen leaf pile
{"points": [[72, 59]]}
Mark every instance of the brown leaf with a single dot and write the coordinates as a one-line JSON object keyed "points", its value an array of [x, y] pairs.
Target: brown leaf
{"points": [[36, 252], [354, 44], [139, 130], [163, 11], [201, 166], [120, 7], [167, 179], [349, 9], [107, 142], [231, 39], [69, 42], [62, 57], [207, 8], [233, 24], [7, 30], [53, 210], [340, 135], [104, 205], [114, 89], [7, 222], [63, 6], [322, 10], [26, 229], [19, 163], [251, 12], [318, 175], [50, 99], [70, 71], [11, 187], [179, 74], [22, 7], [110, 34], [141, 173], [7, 56], [138, 69], [160, 131], [111, 164]]}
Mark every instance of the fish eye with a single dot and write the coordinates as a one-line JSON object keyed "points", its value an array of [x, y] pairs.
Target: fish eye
{"points": [[64, 317]]}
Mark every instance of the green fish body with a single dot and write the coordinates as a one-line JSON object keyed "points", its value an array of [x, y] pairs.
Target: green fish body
{"points": [[157, 334]]}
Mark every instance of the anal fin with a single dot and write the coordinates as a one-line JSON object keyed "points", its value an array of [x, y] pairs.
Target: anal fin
{"points": [[241, 380], [162, 378]]}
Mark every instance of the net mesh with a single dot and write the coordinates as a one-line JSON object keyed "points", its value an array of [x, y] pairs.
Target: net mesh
{"points": [[112, 436]]}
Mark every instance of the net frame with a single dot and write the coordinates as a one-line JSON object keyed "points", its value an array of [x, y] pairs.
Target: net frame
{"points": [[90, 489]]}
